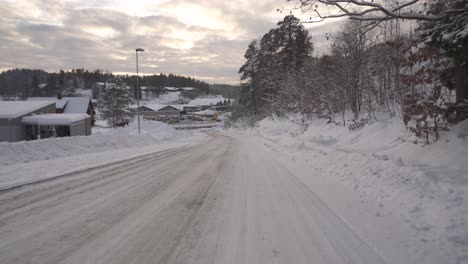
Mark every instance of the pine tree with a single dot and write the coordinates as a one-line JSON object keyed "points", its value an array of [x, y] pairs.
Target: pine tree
{"points": [[248, 71], [51, 88], [36, 91], [282, 51], [114, 103], [450, 34]]}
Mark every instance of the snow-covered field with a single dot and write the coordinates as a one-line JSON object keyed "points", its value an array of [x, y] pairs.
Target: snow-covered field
{"points": [[166, 98], [172, 98], [207, 100], [385, 186]]}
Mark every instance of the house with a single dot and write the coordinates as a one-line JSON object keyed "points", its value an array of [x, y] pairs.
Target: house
{"points": [[71, 105], [206, 107], [145, 108], [57, 125], [191, 108], [11, 113], [27, 120], [168, 109], [171, 89], [154, 110]]}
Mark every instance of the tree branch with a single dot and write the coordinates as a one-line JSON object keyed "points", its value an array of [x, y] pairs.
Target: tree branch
{"points": [[366, 10]]}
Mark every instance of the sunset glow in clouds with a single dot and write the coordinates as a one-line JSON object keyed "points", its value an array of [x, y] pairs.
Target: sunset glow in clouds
{"points": [[205, 39]]}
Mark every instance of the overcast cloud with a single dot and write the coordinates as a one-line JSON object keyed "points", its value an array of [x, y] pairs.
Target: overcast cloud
{"points": [[205, 39]]}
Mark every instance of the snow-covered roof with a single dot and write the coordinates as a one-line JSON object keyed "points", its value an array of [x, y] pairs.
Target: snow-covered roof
{"points": [[53, 119], [168, 108], [158, 107], [171, 88], [71, 105], [188, 88], [14, 109], [77, 105], [59, 103]]}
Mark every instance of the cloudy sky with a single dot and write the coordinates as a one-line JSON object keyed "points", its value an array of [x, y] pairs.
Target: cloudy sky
{"points": [[205, 39]]}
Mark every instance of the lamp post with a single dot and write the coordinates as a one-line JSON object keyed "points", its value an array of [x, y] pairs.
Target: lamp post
{"points": [[138, 88]]}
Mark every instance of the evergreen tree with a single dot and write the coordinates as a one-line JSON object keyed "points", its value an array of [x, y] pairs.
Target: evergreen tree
{"points": [[51, 88], [248, 76], [282, 52], [114, 103], [450, 34], [36, 91], [26, 91]]}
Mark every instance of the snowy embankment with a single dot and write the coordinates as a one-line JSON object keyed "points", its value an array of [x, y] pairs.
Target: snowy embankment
{"points": [[396, 193], [47, 149], [30, 161], [103, 139]]}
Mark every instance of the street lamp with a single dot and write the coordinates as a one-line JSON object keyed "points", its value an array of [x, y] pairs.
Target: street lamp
{"points": [[138, 89]]}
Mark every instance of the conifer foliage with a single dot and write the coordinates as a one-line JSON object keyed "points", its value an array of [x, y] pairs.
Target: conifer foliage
{"points": [[114, 103], [377, 63], [281, 52]]}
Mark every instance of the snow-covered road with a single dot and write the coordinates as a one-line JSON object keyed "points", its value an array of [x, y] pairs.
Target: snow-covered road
{"points": [[225, 201]]}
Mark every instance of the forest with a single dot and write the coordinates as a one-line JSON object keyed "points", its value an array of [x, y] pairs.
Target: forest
{"points": [[377, 62], [24, 83]]}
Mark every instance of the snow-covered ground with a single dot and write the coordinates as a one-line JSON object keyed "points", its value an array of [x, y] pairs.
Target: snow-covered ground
{"points": [[386, 187], [173, 99], [348, 195], [208, 100], [165, 98], [30, 161]]}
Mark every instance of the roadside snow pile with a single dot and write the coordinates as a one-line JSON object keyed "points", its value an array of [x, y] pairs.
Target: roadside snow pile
{"points": [[158, 130], [422, 189], [386, 137], [45, 149], [152, 132]]}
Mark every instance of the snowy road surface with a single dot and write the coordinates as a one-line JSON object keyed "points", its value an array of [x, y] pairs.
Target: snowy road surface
{"points": [[225, 201]]}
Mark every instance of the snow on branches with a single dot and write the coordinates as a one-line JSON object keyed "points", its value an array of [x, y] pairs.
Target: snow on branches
{"points": [[427, 96]]}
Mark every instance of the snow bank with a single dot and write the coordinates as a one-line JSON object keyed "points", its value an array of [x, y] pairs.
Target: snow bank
{"points": [[45, 149], [417, 194], [103, 139], [387, 136], [159, 131]]}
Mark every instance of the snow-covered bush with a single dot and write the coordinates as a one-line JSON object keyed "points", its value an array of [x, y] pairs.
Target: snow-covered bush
{"points": [[424, 104]]}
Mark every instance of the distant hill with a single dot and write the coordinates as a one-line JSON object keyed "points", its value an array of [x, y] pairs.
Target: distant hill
{"points": [[24, 82], [226, 90]]}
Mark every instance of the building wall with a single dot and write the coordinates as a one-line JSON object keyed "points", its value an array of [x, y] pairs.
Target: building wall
{"points": [[12, 133], [89, 124], [81, 128]]}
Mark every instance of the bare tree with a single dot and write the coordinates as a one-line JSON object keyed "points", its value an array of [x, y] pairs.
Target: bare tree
{"points": [[371, 10]]}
